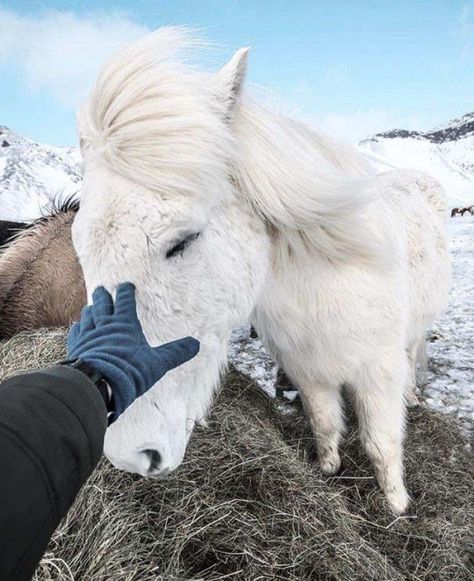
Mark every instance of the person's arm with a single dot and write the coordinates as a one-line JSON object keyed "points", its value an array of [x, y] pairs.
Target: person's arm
{"points": [[52, 427], [53, 421]]}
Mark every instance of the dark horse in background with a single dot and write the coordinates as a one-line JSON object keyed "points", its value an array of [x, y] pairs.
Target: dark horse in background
{"points": [[9, 229], [462, 211]]}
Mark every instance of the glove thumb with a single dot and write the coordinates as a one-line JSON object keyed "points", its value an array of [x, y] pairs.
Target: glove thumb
{"points": [[176, 353]]}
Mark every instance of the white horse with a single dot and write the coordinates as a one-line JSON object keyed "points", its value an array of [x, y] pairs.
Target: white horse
{"points": [[221, 211]]}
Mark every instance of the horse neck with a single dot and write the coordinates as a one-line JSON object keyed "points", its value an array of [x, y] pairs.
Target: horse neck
{"points": [[313, 190]]}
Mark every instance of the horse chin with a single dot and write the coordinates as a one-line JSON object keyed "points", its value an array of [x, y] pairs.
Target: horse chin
{"points": [[150, 438]]}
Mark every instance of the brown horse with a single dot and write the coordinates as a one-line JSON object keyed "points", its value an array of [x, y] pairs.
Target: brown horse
{"points": [[41, 281]]}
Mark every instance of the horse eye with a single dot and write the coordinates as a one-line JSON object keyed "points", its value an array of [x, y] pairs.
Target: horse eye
{"points": [[181, 246]]}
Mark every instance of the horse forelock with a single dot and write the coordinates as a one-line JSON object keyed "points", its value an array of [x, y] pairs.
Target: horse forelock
{"points": [[154, 119]]}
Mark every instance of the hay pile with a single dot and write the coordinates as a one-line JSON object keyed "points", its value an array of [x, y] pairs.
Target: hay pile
{"points": [[250, 503]]}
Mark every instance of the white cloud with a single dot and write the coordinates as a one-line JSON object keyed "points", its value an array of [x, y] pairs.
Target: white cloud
{"points": [[61, 52]]}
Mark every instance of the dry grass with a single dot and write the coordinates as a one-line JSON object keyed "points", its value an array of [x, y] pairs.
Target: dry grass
{"points": [[249, 502]]}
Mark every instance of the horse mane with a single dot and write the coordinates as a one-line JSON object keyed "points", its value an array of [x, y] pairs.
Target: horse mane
{"points": [[315, 190], [28, 245], [59, 205], [157, 121]]}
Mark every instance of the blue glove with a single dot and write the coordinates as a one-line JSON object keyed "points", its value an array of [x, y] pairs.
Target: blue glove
{"points": [[110, 339]]}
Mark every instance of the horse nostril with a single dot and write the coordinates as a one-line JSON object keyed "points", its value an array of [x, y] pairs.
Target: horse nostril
{"points": [[155, 459]]}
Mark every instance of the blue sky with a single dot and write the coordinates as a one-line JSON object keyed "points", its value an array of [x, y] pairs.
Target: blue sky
{"points": [[353, 67]]}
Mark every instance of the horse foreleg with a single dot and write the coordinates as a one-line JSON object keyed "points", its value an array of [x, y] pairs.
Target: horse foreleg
{"points": [[413, 351], [379, 398], [322, 403]]}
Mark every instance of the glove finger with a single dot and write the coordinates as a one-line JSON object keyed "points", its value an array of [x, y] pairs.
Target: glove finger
{"points": [[72, 336], [125, 304], [103, 305], [176, 353], [96, 339], [87, 321]]}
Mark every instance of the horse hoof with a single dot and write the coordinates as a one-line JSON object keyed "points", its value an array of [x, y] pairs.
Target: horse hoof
{"points": [[412, 400], [330, 464], [398, 500]]}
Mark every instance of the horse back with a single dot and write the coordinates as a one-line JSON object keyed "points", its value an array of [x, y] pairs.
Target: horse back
{"points": [[420, 204]]}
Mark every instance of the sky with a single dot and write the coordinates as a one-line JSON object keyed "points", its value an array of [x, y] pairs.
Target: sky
{"points": [[351, 67]]}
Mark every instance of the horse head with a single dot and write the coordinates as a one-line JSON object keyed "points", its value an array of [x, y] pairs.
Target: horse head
{"points": [[159, 209]]}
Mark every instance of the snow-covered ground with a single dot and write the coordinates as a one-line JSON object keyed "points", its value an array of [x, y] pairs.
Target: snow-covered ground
{"points": [[450, 380]]}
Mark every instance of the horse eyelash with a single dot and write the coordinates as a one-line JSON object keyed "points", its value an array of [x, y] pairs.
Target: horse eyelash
{"points": [[181, 246]]}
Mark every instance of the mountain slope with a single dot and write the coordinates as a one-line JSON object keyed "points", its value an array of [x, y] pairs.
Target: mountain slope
{"points": [[32, 175], [447, 153]]}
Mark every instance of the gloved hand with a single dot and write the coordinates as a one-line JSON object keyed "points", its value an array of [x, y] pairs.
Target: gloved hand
{"points": [[110, 339]]}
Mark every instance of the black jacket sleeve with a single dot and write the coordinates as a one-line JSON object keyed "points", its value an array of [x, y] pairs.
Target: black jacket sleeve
{"points": [[52, 427]]}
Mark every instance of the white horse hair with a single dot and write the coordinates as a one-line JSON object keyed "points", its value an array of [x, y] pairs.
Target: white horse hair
{"points": [[220, 212]]}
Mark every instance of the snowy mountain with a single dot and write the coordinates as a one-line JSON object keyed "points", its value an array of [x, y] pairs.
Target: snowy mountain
{"points": [[32, 175], [447, 153]]}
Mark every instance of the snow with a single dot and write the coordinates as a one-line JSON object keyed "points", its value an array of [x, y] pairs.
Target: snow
{"points": [[249, 357], [33, 175], [449, 386], [450, 380], [31, 171], [451, 163]]}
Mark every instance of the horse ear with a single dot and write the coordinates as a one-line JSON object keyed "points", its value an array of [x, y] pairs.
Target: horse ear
{"points": [[230, 80]]}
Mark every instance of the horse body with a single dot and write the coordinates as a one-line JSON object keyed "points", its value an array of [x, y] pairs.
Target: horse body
{"points": [[41, 282], [220, 211], [462, 211], [467, 210], [334, 324]]}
